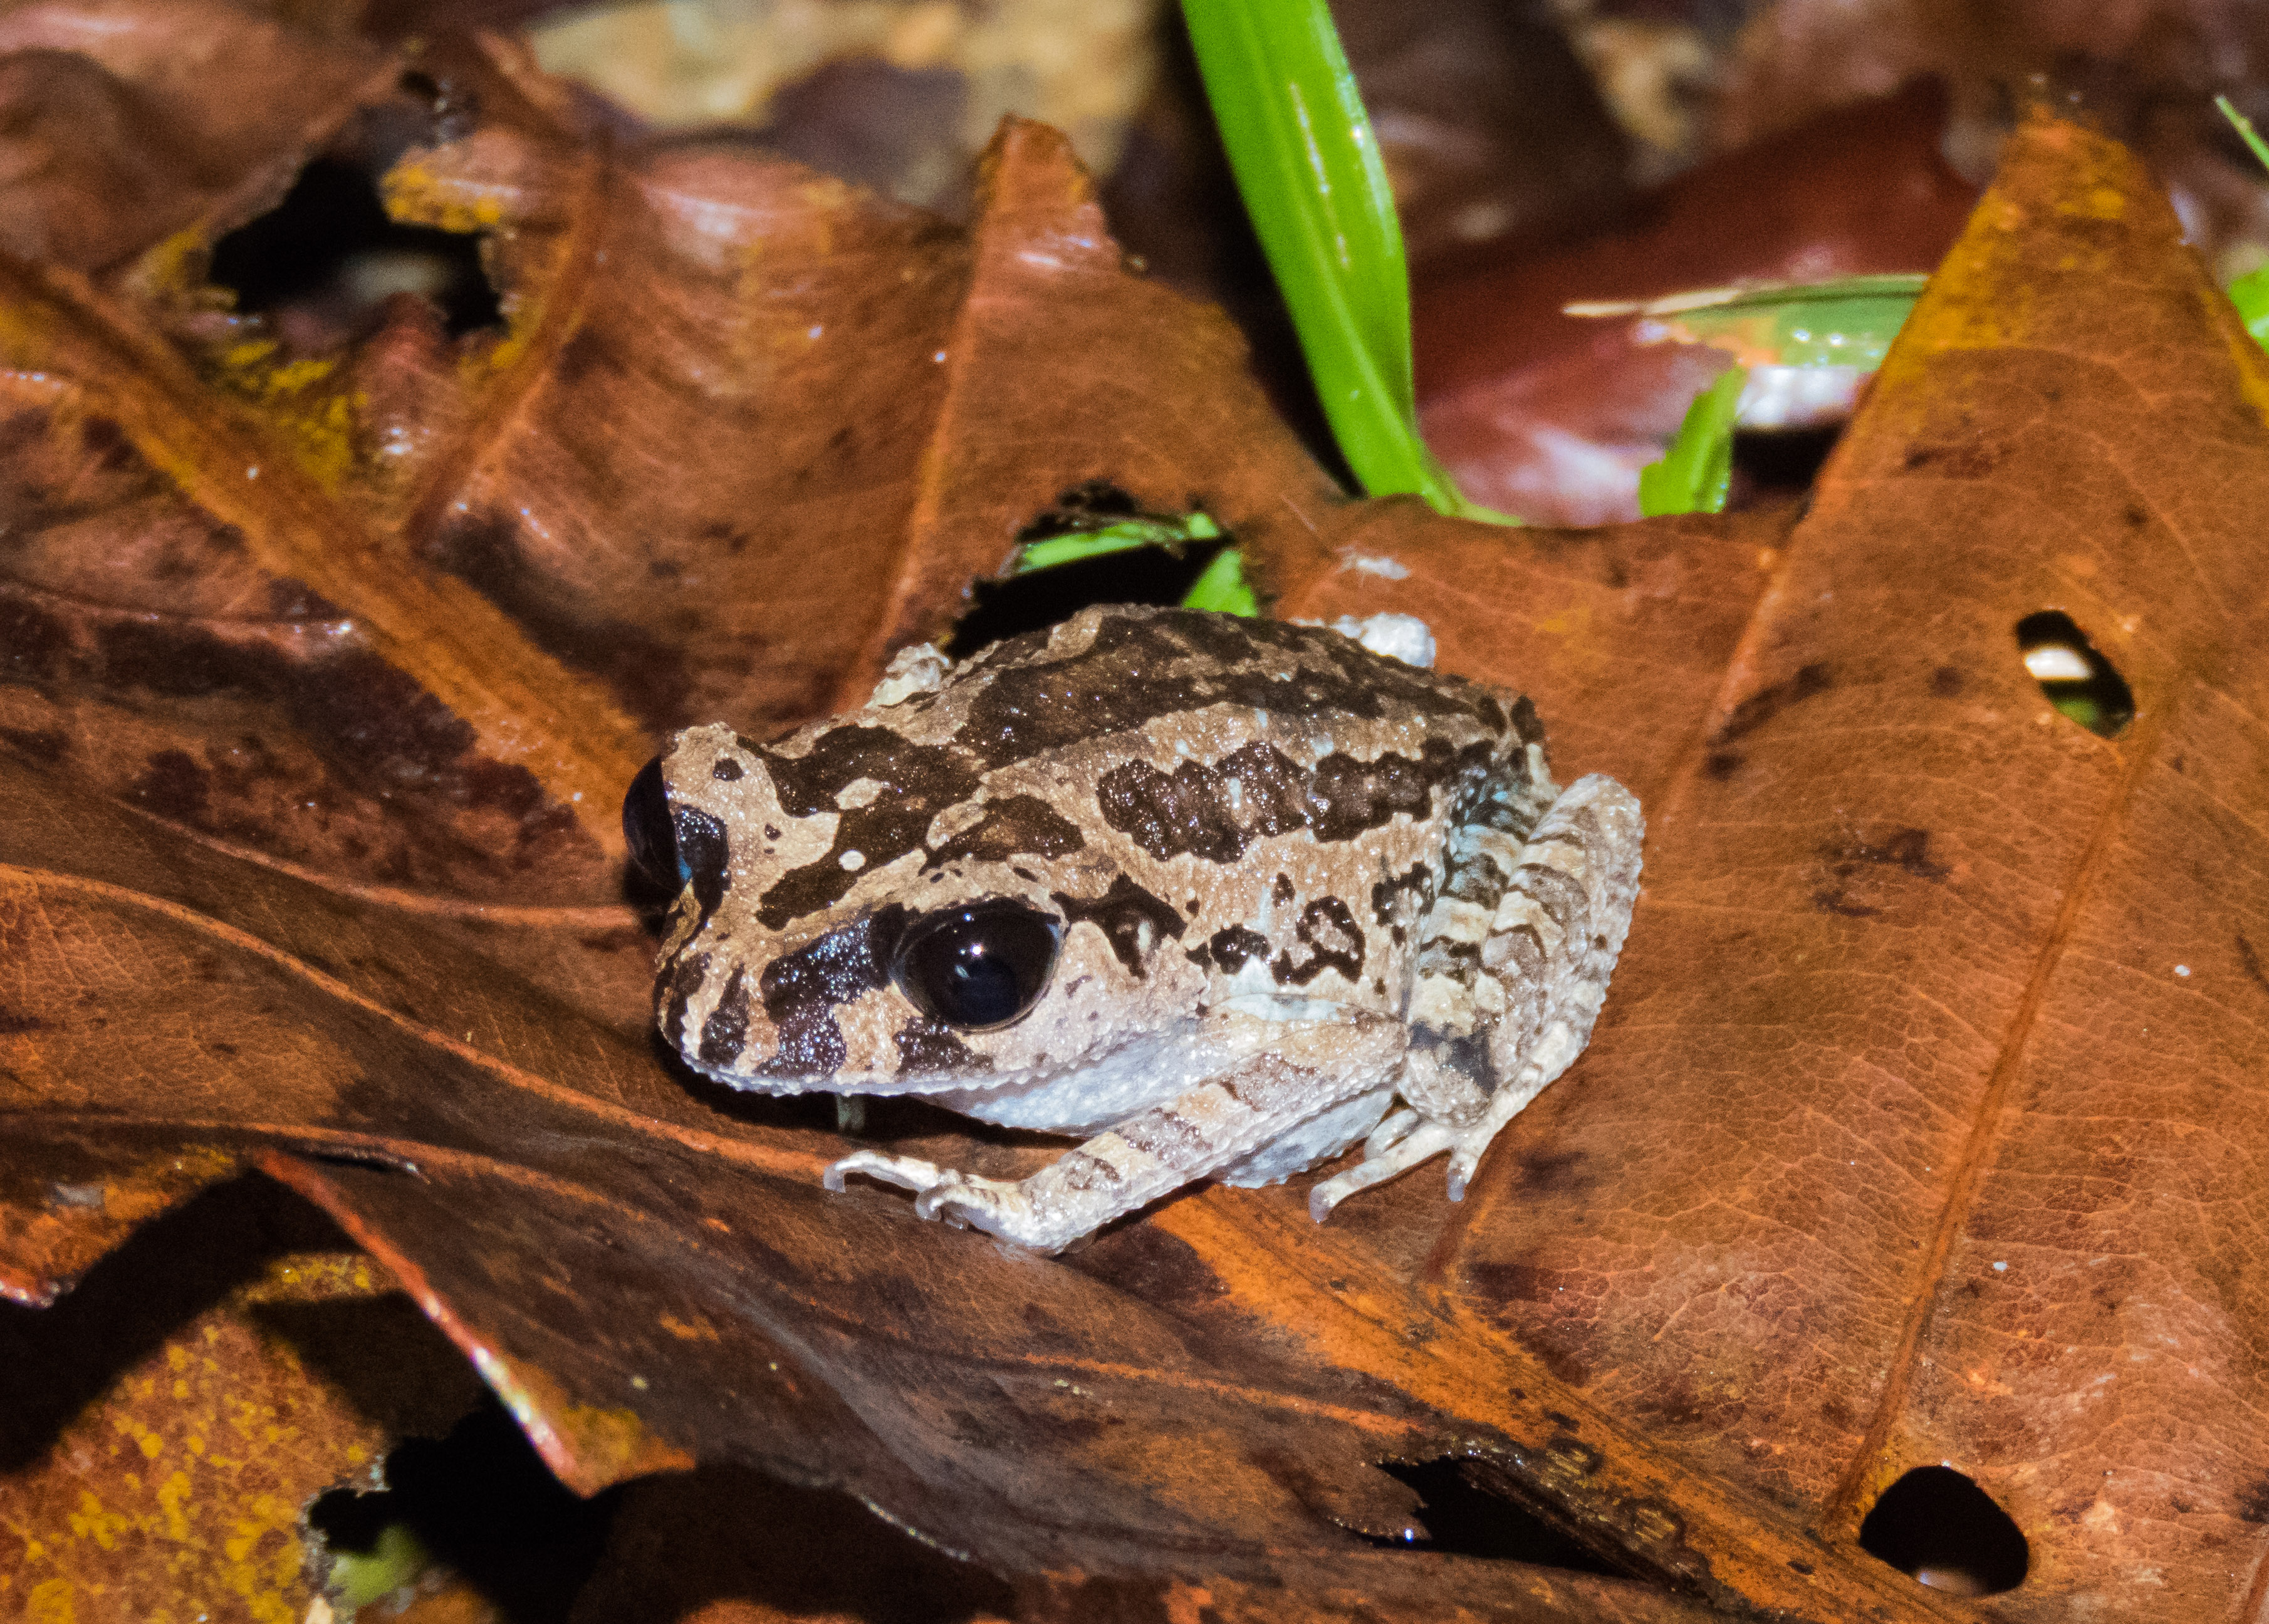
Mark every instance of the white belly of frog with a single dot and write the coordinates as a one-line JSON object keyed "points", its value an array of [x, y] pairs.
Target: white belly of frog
{"points": [[1225, 896]]}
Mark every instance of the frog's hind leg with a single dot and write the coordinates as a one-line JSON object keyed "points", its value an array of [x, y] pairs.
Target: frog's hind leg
{"points": [[1514, 959], [1232, 1123]]}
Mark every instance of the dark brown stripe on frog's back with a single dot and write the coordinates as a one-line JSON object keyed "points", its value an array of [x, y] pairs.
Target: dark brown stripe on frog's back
{"points": [[1333, 939], [1144, 664], [1326, 937], [1013, 826], [1139, 666], [1257, 792]]}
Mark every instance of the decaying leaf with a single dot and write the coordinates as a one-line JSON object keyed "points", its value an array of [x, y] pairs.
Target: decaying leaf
{"points": [[1928, 978], [142, 1480]]}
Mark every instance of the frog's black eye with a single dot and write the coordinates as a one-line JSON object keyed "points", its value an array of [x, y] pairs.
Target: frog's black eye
{"points": [[979, 966], [647, 828]]}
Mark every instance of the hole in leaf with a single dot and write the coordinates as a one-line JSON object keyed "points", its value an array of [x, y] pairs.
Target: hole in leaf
{"points": [[1095, 545], [480, 1500], [320, 262], [1464, 1513], [1773, 466], [1937, 1526], [2077, 679]]}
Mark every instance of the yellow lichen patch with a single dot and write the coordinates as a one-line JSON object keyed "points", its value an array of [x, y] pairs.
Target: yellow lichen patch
{"points": [[523, 317], [316, 424], [173, 1495], [586, 1446], [177, 1492], [52, 1601], [416, 195], [2096, 202], [262, 1556], [242, 357], [294, 377], [315, 1276], [322, 440], [91, 1521], [1983, 294], [175, 266]]}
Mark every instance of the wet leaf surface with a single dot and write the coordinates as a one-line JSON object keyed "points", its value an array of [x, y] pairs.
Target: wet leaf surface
{"points": [[1903, 1001]]}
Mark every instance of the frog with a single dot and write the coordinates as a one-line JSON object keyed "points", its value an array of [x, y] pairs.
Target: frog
{"points": [[1218, 898]]}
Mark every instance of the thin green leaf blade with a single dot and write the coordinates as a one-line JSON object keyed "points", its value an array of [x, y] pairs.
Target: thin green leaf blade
{"points": [[2250, 291], [1223, 586], [1078, 546], [1307, 163], [1698, 470], [2250, 294], [1845, 321]]}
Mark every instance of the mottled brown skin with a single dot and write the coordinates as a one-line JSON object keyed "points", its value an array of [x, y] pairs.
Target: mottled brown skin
{"points": [[1246, 832]]}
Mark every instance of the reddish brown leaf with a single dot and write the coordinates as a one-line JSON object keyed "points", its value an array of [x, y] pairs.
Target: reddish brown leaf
{"points": [[160, 115], [1926, 1067]]}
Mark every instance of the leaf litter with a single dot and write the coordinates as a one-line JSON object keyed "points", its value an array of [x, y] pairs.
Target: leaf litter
{"points": [[1903, 1003]]}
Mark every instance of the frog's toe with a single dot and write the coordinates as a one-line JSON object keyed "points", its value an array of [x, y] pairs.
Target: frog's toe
{"points": [[964, 1199], [1390, 1132], [906, 1172], [1425, 1140]]}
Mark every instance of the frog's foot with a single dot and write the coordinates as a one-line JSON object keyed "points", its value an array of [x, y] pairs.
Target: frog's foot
{"points": [[1000, 1207], [908, 1172], [1417, 1140], [960, 1199]]}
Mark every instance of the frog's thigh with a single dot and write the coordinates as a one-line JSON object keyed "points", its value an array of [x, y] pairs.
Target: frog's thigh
{"points": [[1514, 964], [1231, 1121]]}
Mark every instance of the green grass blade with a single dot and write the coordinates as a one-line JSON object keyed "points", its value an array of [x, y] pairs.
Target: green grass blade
{"points": [[1308, 166], [2244, 127], [1079, 545], [1846, 321], [2250, 291], [2250, 294], [1696, 472], [1223, 586]]}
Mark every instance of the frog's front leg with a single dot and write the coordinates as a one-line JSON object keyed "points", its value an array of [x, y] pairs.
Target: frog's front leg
{"points": [[1278, 1083], [1514, 960]]}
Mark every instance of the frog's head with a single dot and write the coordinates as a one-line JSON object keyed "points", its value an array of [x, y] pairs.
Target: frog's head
{"points": [[862, 910]]}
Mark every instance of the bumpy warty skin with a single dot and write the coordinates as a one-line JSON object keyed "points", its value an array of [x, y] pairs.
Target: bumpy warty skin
{"points": [[1252, 838]]}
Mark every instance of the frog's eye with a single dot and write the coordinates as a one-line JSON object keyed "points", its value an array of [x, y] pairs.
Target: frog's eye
{"points": [[648, 829], [977, 967]]}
